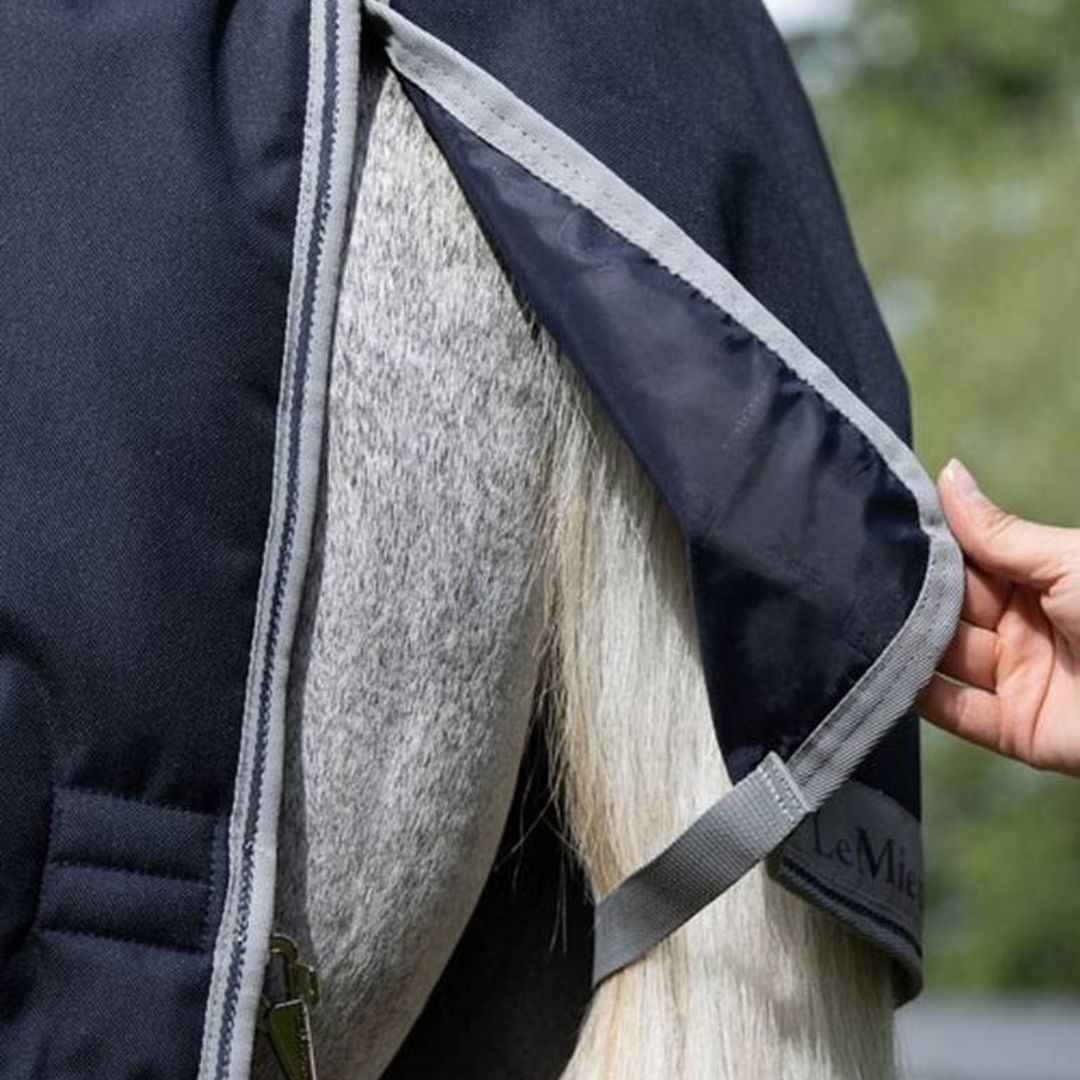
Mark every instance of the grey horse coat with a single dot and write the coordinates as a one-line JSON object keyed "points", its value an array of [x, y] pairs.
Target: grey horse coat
{"points": [[176, 188]]}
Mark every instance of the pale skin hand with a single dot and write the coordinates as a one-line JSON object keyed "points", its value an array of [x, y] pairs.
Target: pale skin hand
{"points": [[1017, 648]]}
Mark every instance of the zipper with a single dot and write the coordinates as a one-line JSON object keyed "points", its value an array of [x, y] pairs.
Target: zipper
{"points": [[286, 1022]]}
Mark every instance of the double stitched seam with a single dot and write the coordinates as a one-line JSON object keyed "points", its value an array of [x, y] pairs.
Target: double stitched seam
{"points": [[59, 891], [125, 938], [782, 795], [767, 777], [95, 793], [112, 868]]}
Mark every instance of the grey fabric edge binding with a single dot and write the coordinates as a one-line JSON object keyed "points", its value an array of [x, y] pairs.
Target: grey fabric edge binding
{"points": [[627, 925], [242, 942], [734, 834]]}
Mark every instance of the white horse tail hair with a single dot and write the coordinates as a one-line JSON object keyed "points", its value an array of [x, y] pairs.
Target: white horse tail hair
{"points": [[759, 984]]}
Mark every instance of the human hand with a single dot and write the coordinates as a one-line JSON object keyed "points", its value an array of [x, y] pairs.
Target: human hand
{"points": [[1017, 647]]}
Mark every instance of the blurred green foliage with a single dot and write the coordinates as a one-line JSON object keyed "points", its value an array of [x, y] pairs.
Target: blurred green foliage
{"points": [[954, 128]]}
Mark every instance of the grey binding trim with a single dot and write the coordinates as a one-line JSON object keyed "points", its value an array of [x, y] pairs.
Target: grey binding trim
{"points": [[731, 837], [242, 943], [844, 737]]}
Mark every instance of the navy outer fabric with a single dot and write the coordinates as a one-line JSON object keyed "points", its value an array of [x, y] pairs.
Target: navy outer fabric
{"points": [[149, 166]]}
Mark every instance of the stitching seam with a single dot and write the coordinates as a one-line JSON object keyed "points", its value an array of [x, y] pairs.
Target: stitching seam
{"points": [[89, 864], [119, 937], [778, 798], [80, 791]]}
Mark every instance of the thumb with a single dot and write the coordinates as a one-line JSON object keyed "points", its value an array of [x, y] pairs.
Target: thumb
{"points": [[1000, 542]]}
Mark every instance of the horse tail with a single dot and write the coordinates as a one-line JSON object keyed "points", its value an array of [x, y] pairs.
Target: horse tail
{"points": [[759, 983]]}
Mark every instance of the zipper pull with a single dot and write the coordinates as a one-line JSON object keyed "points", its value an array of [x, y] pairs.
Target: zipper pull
{"points": [[287, 1023]]}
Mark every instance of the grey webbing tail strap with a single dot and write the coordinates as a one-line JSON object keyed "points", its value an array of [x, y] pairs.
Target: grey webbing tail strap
{"points": [[727, 841]]}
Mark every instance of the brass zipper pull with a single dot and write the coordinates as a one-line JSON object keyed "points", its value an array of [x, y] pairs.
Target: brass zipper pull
{"points": [[287, 1023]]}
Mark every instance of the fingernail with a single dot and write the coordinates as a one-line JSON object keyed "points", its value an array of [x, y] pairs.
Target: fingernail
{"points": [[963, 483]]}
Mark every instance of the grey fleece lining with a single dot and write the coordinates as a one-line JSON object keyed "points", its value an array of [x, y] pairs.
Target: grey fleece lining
{"points": [[626, 927]]}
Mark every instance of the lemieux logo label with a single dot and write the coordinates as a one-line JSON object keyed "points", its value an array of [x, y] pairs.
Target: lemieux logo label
{"points": [[870, 854], [863, 845]]}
